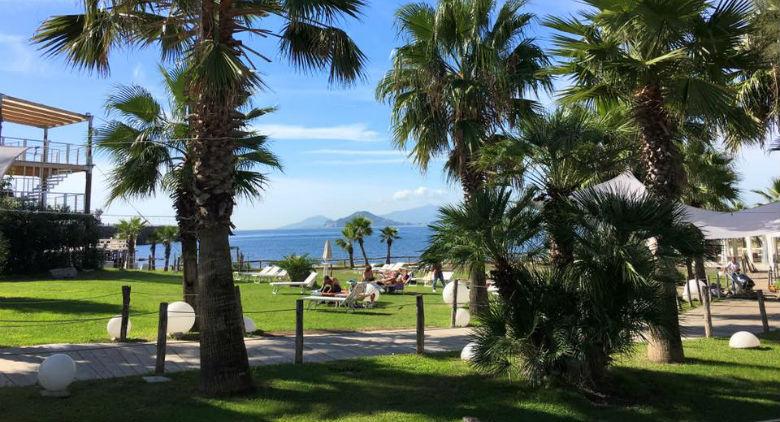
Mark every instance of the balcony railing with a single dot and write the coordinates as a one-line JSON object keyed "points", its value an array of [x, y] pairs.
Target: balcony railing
{"points": [[48, 152], [50, 201]]}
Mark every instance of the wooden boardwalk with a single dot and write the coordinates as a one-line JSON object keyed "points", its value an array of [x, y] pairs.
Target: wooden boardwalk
{"points": [[19, 366]]}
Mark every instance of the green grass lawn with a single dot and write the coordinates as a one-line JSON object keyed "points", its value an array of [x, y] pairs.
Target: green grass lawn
{"points": [[715, 383], [28, 307]]}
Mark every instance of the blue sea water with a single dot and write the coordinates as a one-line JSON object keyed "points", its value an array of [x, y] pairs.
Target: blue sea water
{"points": [[264, 245]]}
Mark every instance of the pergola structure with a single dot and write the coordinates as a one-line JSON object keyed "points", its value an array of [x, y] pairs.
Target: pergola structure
{"points": [[39, 165]]}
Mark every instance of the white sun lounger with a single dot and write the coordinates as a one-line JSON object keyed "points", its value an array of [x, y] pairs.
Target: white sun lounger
{"points": [[347, 301], [305, 284]]}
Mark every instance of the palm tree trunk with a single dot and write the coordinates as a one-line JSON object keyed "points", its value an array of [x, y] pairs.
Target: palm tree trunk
{"points": [[389, 244], [363, 250], [130, 263], [351, 259], [664, 177], [153, 260], [189, 257], [167, 255], [478, 297], [559, 229], [224, 364]]}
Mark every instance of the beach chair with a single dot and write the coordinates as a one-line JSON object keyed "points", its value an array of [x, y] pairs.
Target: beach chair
{"points": [[348, 301], [305, 284]]}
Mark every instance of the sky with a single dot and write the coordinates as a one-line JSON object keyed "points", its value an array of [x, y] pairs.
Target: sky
{"points": [[334, 143]]}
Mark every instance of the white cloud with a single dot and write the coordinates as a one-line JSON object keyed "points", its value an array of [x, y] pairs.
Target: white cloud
{"points": [[360, 162], [357, 152], [355, 132], [421, 192], [17, 55]]}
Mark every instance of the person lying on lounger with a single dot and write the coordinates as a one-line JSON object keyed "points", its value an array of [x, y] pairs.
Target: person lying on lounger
{"points": [[330, 286], [391, 278], [399, 282]]}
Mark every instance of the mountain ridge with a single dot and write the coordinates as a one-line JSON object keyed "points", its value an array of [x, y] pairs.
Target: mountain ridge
{"points": [[411, 217]]}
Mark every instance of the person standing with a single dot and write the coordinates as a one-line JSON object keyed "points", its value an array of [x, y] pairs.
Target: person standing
{"points": [[438, 275]]}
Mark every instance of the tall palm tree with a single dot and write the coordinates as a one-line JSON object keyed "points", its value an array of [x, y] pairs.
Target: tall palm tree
{"points": [[168, 235], [360, 228], [346, 244], [152, 239], [388, 235], [772, 193], [147, 146], [670, 62], [461, 77], [220, 76], [129, 231]]}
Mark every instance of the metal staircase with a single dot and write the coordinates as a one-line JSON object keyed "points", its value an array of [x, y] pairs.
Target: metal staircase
{"points": [[54, 178]]}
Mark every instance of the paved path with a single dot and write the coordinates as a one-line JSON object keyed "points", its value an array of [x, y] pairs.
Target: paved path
{"points": [[19, 366]]}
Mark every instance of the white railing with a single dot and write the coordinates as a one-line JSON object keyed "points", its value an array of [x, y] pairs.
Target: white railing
{"points": [[54, 201], [49, 152]]}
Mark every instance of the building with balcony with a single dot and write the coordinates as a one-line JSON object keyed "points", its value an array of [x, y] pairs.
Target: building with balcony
{"points": [[32, 168]]}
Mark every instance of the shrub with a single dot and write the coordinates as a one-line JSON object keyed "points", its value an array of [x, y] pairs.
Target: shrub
{"points": [[39, 241], [298, 267]]}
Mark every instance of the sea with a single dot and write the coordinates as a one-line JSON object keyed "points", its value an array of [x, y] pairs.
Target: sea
{"points": [[271, 245]]}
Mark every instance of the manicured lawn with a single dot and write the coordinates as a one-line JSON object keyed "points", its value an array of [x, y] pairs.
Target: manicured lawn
{"points": [[715, 384], [29, 307]]}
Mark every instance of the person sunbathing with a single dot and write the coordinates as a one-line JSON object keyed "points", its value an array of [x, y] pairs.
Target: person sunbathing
{"points": [[330, 286], [368, 274], [389, 279], [399, 282]]}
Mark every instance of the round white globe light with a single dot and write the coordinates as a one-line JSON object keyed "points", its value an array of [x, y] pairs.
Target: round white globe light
{"points": [[449, 292], [695, 293], [56, 372], [181, 317], [467, 353], [249, 325], [114, 326], [462, 317], [744, 340], [372, 288]]}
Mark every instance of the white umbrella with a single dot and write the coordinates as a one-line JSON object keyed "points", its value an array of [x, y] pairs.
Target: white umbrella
{"points": [[327, 255]]}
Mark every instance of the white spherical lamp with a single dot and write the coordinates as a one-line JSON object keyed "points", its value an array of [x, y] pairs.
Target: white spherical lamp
{"points": [[56, 373], [462, 317], [467, 353], [744, 340], [249, 325], [114, 326], [449, 293], [181, 317]]}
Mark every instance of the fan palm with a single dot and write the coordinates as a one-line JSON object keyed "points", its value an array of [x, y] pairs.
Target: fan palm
{"points": [[148, 148], [772, 193], [129, 231], [360, 228], [221, 75], [168, 235], [388, 235], [460, 78], [670, 61]]}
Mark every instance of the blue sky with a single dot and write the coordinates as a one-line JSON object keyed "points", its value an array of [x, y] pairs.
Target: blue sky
{"points": [[334, 142]]}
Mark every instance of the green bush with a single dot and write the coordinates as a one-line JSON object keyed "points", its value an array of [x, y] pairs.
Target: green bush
{"points": [[298, 267], [39, 241], [4, 251]]}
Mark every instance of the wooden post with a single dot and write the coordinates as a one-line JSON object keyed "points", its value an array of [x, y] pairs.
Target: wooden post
{"points": [[454, 303], [125, 313], [299, 331], [420, 325], [162, 328], [705, 300], [240, 309], [762, 310]]}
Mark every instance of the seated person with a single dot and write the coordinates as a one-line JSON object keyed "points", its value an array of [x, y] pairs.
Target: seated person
{"points": [[360, 293], [330, 286], [400, 281], [389, 279], [368, 274]]}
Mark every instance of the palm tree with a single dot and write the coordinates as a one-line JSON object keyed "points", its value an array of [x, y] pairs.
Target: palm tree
{"points": [[168, 235], [772, 193], [146, 145], [152, 239], [360, 228], [460, 78], [346, 244], [220, 77], [670, 62], [129, 231], [388, 235]]}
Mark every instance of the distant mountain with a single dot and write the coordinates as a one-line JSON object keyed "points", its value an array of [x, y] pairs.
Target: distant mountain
{"points": [[419, 216], [376, 221], [316, 222]]}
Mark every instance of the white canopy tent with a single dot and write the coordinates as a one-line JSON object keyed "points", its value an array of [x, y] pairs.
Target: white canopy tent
{"points": [[7, 157], [761, 221]]}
